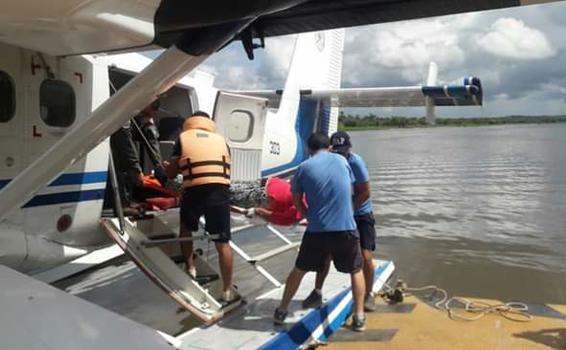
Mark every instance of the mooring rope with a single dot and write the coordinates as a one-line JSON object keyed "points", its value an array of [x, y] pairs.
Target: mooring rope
{"points": [[514, 311]]}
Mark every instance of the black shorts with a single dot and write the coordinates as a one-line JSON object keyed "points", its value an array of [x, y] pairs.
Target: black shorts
{"points": [[212, 201], [366, 228], [343, 247]]}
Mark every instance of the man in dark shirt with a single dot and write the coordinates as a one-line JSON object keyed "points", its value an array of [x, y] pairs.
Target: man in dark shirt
{"points": [[145, 132], [127, 164]]}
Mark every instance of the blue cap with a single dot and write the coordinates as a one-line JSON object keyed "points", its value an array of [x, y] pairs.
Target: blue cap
{"points": [[340, 141]]}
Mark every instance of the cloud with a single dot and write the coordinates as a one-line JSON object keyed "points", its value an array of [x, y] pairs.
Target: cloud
{"points": [[511, 38], [519, 54], [398, 54], [406, 48], [278, 55], [269, 69]]}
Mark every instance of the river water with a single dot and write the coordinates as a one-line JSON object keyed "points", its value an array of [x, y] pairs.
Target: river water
{"points": [[478, 211]]}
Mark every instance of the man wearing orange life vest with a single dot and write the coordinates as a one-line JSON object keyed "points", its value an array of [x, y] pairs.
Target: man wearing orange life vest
{"points": [[203, 157]]}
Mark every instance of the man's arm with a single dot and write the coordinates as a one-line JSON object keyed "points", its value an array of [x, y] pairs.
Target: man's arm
{"points": [[172, 167], [264, 213], [361, 181], [298, 191], [298, 202], [361, 193], [125, 154]]}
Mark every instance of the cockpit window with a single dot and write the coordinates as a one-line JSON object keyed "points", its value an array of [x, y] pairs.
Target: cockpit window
{"points": [[7, 97], [57, 103]]}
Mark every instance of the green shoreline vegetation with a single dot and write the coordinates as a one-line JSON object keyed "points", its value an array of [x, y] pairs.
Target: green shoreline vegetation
{"points": [[348, 122]]}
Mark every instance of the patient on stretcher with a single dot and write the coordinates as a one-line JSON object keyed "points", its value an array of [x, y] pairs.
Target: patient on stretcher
{"points": [[279, 208]]}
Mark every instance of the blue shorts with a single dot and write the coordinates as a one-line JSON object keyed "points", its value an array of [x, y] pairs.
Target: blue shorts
{"points": [[366, 227]]}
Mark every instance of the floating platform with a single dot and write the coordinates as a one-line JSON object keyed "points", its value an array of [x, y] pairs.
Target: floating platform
{"points": [[252, 327], [415, 324], [148, 291], [30, 306]]}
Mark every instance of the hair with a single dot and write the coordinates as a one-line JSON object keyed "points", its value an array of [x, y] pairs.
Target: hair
{"points": [[318, 141], [200, 114]]}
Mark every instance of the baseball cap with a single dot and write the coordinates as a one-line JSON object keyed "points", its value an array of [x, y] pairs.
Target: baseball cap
{"points": [[340, 141]]}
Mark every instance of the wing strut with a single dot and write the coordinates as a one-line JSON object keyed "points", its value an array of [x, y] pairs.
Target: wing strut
{"points": [[177, 61], [431, 80]]}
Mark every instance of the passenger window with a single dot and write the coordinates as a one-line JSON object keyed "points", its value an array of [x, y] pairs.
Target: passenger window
{"points": [[57, 104], [241, 126], [7, 97]]}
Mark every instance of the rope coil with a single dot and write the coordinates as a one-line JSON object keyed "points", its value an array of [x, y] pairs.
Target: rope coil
{"points": [[514, 311]]}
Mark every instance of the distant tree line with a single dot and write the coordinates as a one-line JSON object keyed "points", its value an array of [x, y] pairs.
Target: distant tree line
{"points": [[372, 121]]}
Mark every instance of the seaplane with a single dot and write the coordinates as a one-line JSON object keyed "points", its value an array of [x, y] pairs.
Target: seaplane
{"points": [[57, 109]]}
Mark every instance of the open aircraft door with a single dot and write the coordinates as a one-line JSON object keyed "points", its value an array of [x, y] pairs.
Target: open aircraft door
{"points": [[241, 120]]}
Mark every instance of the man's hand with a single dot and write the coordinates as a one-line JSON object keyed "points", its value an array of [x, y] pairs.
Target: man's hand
{"points": [[250, 213], [138, 178], [160, 174], [171, 168]]}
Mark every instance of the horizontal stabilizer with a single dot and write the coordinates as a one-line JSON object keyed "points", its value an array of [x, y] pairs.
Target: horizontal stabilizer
{"points": [[468, 94]]}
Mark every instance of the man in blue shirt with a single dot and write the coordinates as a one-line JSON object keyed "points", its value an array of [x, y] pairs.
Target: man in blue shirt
{"points": [[363, 216], [326, 181]]}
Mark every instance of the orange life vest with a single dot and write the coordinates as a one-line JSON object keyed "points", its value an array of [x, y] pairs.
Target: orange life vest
{"points": [[205, 157]]}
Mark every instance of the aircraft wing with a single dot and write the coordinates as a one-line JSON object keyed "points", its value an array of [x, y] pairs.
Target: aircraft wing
{"points": [[469, 93], [67, 27], [316, 15]]}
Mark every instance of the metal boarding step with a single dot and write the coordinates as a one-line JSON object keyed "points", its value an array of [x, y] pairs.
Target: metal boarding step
{"points": [[203, 301], [175, 239], [154, 246], [252, 260], [201, 298], [272, 253]]}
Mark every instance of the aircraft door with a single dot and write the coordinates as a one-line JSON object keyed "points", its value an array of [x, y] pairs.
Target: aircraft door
{"points": [[241, 120], [51, 102]]}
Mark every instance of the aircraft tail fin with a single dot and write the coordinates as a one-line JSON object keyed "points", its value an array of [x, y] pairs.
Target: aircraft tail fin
{"points": [[316, 64], [317, 61]]}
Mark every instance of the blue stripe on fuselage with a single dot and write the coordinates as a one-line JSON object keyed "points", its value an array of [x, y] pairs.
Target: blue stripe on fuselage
{"points": [[72, 179], [304, 126], [80, 178], [65, 197], [69, 197]]}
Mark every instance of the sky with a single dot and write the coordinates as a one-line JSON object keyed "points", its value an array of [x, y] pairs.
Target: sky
{"points": [[518, 53]]}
